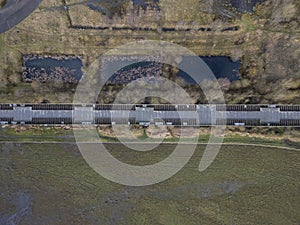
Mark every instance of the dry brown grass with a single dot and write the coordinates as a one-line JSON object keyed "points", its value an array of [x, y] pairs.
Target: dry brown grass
{"points": [[47, 30]]}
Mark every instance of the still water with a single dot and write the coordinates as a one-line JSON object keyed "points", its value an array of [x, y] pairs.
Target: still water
{"points": [[245, 5], [220, 66], [74, 64]]}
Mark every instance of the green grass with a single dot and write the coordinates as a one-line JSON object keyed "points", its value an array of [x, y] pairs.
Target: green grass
{"points": [[37, 134], [248, 23], [65, 190], [57, 134]]}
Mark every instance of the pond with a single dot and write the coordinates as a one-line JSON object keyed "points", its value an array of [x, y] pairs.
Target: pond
{"points": [[245, 5], [97, 8], [221, 66], [42, 68], [135, 71], [105, 6], [144, 3]]}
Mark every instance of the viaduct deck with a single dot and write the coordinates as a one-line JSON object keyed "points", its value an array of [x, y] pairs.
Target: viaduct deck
{"points": [[181, 115]]}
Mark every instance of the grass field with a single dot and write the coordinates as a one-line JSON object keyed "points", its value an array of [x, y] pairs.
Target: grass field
{"points": [[66, 135], [52, 184]]}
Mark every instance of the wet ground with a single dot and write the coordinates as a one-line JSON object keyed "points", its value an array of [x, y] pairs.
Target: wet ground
{"points": [[52, 184]]}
